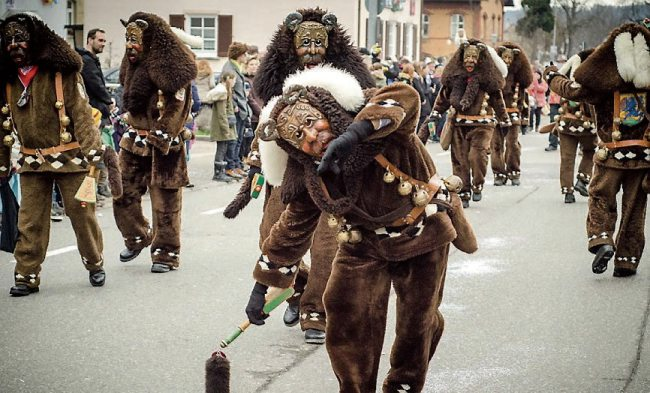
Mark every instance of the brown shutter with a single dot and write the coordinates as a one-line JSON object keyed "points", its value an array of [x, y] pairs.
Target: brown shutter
{"points": [[177, 21], [398, 40], [380, 30], [416, 31], [224, 35], [365, 43]]}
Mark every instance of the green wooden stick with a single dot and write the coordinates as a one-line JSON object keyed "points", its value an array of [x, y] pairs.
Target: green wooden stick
{"points": [[269, 306]]}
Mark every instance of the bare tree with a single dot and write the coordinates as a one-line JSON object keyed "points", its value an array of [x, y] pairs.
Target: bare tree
{"points": [[572, 10]]}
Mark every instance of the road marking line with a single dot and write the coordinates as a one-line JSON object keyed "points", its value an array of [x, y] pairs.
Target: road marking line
{"points": [[58, 251], [213, 211]]}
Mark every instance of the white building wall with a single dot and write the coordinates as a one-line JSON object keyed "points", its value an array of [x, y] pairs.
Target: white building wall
{"points": [[54, 14]]}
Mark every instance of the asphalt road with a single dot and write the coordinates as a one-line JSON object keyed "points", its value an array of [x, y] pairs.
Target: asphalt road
{"points": [[523, 314]]}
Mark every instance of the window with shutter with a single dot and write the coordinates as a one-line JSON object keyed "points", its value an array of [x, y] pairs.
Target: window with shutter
{"points": [[204, 26], [177, 21], [225, 35]]}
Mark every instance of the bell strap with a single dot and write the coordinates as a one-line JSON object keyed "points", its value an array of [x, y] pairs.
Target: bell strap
{"points": [[625, 143], [50, 150], [512, 110], [473, 117]]}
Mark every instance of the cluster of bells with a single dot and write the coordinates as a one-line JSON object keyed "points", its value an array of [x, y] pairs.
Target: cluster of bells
{"points": [[419, 198], [578, 114], [9, 140], [484, 106], [515, 97], [603, 153], [160, 104]]}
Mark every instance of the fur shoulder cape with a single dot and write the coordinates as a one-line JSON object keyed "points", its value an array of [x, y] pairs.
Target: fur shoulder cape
{"points": [[167, 65], [622, 61], [489, 76], [281, 61], [48, 50]]}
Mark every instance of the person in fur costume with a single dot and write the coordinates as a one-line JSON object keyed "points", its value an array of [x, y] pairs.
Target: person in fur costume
{"points": [[615, 79], [395, 220], [46, 109], [306, 38], [576, 126], [471, 91], [156, 72], [505, 148]]}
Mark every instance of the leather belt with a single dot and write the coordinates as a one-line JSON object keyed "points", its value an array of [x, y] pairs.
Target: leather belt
{"points": [[625, 143], [571, 116], [50, 150], [140, 132], [473, 117], [512, 110]]}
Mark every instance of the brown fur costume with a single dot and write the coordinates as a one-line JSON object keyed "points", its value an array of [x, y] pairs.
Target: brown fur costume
{"points": [[621, 63], [152, 154], [505, 147], [38, 125], [279, 62], [465, 92], [411, 257]]}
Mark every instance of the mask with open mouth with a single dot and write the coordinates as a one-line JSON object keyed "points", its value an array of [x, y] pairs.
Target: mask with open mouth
{"points": [[470, 57], [134, 39], [310, 38], [15, 38]]}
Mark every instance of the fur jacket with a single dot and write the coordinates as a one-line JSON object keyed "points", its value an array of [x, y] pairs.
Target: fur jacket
{"points": [[519, 77], [360, 195], [620, 64], [164, 74], [51, 54]]}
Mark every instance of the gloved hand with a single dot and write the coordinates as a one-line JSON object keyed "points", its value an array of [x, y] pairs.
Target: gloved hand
{"points": [[252, 171], [341, 147], [254, 308]]}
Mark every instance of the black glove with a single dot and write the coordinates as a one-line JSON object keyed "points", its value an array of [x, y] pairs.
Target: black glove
{"points": [[252, 170], [341, 147], [254, 308]]}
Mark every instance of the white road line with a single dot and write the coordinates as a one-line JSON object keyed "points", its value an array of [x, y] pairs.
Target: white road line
{"points": [[58, 251], [213, 211]]}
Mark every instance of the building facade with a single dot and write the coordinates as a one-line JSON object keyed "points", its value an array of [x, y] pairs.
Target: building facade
{"points": [[446, 22]]}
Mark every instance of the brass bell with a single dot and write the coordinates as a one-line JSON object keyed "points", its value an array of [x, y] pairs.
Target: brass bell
{"points": [[6, 124], [616, 135], [355, 237], [421, 197], [483, 112], [515, 97], [404, 188], [601, 154], [343, 237], [578, 114], [556, 117], [514, 105], [186, 134], [389, 176], [8, 140], [58, 105], [160, 92], [65, 121], [560, 111], [617, 121], [160, 105], [5, 110], [453, 183], [332, 221], [487, 97], [66, 137], [484, 104], [586, 125]]}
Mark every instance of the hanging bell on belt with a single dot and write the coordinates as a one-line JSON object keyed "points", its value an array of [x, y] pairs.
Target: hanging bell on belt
{"points": [[515, 97], [66, 137], [160, 105], [404, 188], [65, 121], [332, 221], [389, 176], [586, 125], [58, 105], [6, 124], [355, 237], [578, 114], [5, 109], [560, 111], [453, 183], [8, 140], [421, 197], [483, 112], [601, 154], [186, 134], [616, 135], [343, 236], [514, 105]]}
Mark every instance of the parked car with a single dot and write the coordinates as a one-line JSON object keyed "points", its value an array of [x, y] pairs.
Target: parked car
{"points": [[112, 80]]}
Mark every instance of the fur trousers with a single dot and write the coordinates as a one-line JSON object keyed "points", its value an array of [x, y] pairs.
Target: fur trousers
{"points": [[34, 224], [356, 301], [506, 153], [470, 147], [568, 149], [310, 282], [166, 205], [602, 216]]}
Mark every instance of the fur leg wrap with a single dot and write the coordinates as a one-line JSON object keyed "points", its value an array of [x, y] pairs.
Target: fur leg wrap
{"points": [[217, 374], [114, 174], [241, 200]]}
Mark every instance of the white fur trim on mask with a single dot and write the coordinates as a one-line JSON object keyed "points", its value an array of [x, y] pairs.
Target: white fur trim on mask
{"points": [[642, 60], [344, 87], [498, 61], [274, 162], [274, 159], [624, 50], [570, 66]]}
